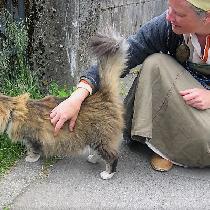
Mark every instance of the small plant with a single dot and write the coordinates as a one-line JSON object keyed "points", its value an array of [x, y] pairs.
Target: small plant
{"points": [[48, 164], [56, 90], [6, 208], [9, 153]]}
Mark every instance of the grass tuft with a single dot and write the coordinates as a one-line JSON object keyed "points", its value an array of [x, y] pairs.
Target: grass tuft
{"points": [[9, 153]]}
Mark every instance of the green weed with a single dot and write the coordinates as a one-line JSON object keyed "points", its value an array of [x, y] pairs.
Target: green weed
{"points": [[9, 153], [56, 90]]}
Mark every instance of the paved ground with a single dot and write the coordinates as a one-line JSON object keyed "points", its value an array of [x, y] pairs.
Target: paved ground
{"points": [[73, 183]]}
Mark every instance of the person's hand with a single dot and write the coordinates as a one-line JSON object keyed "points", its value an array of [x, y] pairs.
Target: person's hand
{"points": [[197, 98], [68, 110]]}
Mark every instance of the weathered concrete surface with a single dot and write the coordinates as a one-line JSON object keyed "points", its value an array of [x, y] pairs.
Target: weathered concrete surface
{"points": [[13, 184], [128, 16], [53, 33], [74, 183], [60, 30]]}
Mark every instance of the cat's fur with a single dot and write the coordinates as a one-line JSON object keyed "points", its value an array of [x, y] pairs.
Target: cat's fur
{"points": [[99, 123]]}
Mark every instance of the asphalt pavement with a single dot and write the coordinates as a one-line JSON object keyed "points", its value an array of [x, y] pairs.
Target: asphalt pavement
{"points": [[74, 183]]}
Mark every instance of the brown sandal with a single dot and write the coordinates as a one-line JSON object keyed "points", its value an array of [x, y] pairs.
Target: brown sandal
{"points": [[160, 164]]}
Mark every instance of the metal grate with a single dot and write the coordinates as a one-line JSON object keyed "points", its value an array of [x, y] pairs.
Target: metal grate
{"points": [[15, 7]]}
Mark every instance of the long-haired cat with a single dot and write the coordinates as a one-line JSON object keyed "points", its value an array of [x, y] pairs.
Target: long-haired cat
{"points": [[99, 123]]}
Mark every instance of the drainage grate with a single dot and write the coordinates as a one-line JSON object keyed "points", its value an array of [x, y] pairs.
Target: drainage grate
{"points": [[15, 7]]}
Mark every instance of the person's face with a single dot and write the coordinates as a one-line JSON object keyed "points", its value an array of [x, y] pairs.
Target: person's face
{"points": [[183, 18]]}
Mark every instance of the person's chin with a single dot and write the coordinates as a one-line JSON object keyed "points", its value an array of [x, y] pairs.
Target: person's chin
{"points": [[177, 30]]}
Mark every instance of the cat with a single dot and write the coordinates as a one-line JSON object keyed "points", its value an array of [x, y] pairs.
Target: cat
{"points": [[100, 121]]}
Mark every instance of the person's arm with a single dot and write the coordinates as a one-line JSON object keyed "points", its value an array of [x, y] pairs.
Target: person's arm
{"points": [[151, 38], [92, 77]]}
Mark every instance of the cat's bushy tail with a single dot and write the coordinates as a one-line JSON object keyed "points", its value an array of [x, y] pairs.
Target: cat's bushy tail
{"points": [[111, 49]]}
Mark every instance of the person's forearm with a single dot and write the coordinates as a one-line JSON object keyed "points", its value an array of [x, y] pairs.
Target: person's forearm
{"points": [[80, 94]]}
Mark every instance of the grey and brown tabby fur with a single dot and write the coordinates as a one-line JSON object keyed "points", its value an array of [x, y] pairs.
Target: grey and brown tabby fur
{"points": [[99, 123]]}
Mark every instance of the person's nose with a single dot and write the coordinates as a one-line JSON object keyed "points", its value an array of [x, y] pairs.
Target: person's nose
{"points": [[170, 15]]}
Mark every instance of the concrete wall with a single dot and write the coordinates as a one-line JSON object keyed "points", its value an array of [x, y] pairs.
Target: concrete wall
{"points": [[60, 30]]}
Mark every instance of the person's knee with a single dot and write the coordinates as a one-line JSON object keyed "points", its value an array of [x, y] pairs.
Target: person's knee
{"points": [[156, 59], [152, 62]]}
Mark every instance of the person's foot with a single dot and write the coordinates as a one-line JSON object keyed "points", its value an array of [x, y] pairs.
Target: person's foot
{"points": [[160, 164]]}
